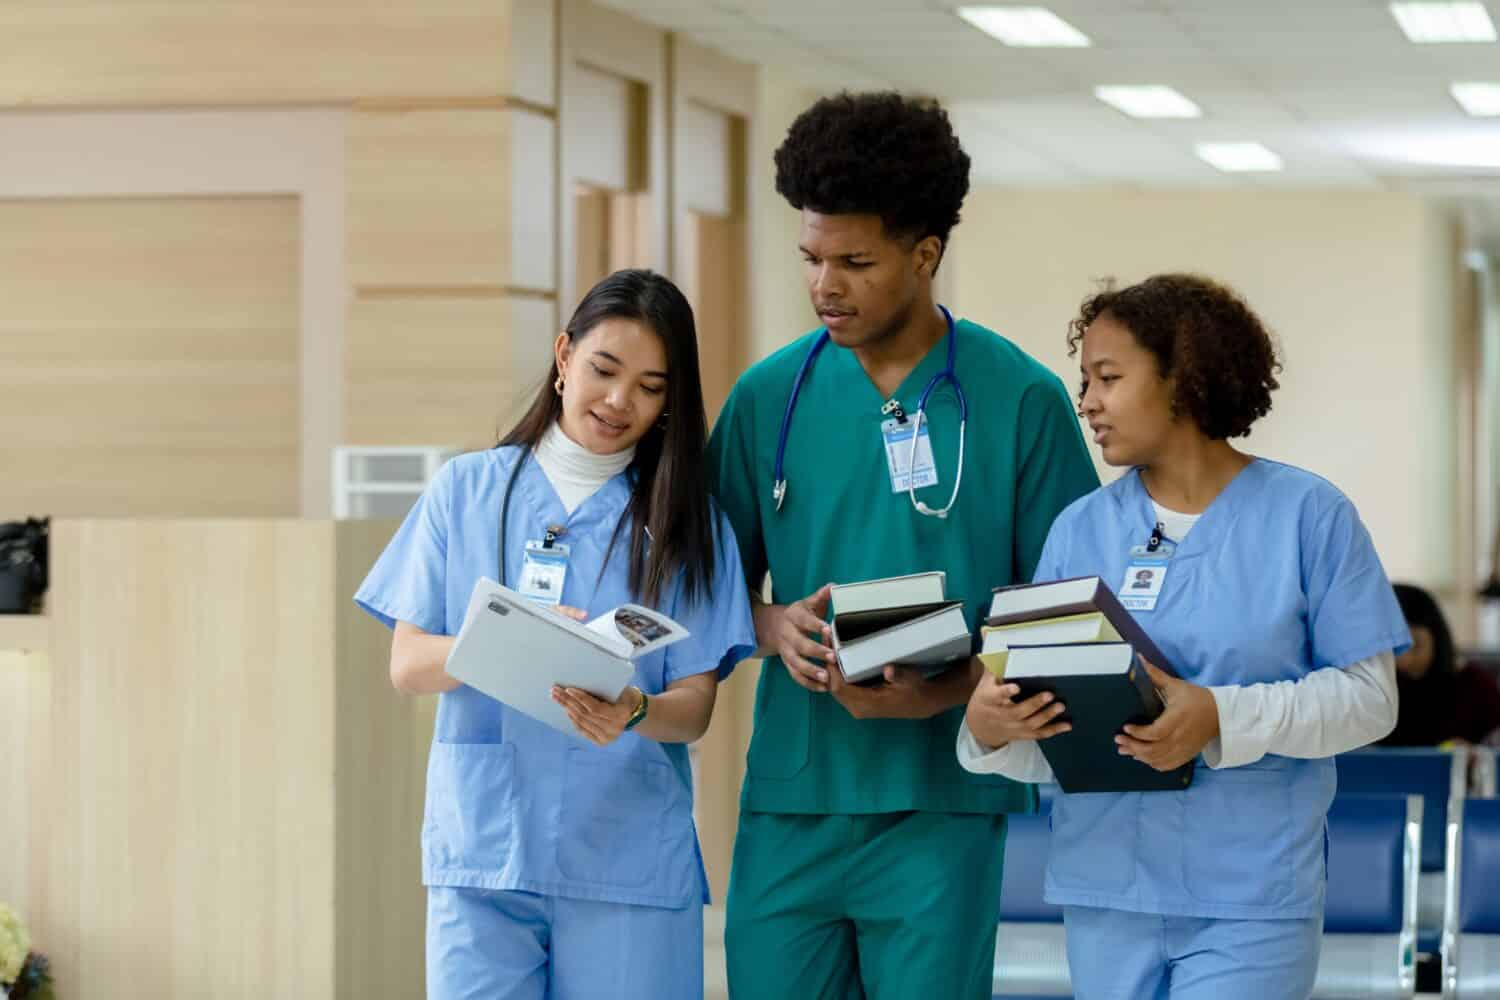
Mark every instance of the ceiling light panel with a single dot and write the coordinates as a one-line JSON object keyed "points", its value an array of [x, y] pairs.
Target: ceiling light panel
{"points": [[1239, 157], [1482, 100], [1152, 101], [1430, 23], [1025, 27]]}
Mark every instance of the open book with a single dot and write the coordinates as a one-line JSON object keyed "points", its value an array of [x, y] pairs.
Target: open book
{"points": [[515, 650]]}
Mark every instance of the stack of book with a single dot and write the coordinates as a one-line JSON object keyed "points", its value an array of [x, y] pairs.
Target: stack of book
{"points": [[903, 620], [1074, 639]]}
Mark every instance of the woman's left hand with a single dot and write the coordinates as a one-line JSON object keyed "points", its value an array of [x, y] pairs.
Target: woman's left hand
{"points": [[601, 722], [1180, 733]]}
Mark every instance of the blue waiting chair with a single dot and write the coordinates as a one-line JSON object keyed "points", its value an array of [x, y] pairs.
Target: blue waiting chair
{"points": [[1440, 777], [1370, 918], [1030, 957], [1471, 919]]}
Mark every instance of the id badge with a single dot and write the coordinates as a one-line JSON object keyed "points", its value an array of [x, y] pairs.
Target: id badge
{"points": [[897, 437], [544, 570], [1144, 576]]}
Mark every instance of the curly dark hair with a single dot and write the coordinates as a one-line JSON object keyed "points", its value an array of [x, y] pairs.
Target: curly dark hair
{"points": [[876, 154], [1203, 334]]}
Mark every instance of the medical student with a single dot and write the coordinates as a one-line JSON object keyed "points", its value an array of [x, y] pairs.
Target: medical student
{"points": [[558, 865], [867, 863], [1269, 601]]}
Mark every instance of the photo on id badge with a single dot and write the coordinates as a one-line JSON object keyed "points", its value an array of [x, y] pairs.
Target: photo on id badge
{"points": [[1142, 584], [544, 569]]}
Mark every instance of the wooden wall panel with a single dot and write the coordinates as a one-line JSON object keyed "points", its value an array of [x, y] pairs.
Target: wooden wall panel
{"points": [[534, 325], [533, 201], [383, 738], [429, 198], [600, 46], [533, 51], [183, 841], [217, 52], [716, 286], [23, 717], [150, 356], [602, 112], [428, 370], [223, 794], [713, 79]]}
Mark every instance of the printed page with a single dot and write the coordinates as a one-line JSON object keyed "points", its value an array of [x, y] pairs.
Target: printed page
{"points": [[645, 630]]}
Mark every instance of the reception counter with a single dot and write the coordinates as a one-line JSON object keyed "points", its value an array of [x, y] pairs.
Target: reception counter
{"points": [[208, 786]]}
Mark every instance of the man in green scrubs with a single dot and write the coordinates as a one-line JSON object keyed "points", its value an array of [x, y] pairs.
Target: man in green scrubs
{"points": [[868, 862]]}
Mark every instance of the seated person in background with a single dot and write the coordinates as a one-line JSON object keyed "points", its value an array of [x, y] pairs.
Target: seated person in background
{"points": [[1440, 700]]}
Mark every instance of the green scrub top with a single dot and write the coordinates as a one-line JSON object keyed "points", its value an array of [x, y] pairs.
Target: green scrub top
{"points": [[1024, 462]]}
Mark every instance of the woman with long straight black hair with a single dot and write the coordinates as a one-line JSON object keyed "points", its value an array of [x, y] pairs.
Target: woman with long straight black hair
{"points": [[568, 865]]}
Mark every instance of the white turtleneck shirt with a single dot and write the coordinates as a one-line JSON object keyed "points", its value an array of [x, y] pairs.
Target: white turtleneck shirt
{"points": [[575, 472]]}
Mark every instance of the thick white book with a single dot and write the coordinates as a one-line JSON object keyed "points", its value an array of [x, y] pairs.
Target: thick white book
{"points": [[515, 650], [889, 592], [932, 639]]}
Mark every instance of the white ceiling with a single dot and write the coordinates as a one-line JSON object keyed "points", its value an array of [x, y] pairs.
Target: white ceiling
{"points": [[1331, 85]]}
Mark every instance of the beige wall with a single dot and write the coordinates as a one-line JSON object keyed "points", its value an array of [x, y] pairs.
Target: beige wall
{"points": [[781, 311], [1357, 286], [162, 376], [441, 120], [124, 53]]}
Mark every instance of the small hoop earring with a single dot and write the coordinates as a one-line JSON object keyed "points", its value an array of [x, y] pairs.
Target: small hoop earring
{"points": [[558, 385], [661, 421]]}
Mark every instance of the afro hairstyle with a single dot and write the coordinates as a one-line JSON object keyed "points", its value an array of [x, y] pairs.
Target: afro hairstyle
{"points": [[879, 154]]}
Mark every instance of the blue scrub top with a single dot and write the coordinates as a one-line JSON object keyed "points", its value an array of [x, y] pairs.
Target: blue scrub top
{"points": [[515, 804], [1278, 578]]}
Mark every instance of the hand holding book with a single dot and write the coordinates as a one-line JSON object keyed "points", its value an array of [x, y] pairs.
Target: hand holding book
{"points": [[996, 719], [903, 693], [1189, 723], [798, 634], [599, 721]]}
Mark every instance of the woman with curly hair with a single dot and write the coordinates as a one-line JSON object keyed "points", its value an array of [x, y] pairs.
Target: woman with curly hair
{"points": [[1272, 606], [867, 861]]}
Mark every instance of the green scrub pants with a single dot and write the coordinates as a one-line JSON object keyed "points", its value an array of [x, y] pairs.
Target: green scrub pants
{"points": [[889, 906]]}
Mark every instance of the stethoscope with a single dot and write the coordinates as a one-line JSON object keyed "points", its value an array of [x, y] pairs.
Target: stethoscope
{"points": [[553, 531], [948, 374]]}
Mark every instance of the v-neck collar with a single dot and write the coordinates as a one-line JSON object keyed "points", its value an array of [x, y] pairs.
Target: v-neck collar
{"points": [[1216, 517], [614, 493], [910, 389]]}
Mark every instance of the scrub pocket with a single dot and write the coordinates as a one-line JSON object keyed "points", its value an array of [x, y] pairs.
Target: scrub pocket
{"points": [[1237, 824], [783, 728], [1094, 841], [613, 809], [470, 806]]}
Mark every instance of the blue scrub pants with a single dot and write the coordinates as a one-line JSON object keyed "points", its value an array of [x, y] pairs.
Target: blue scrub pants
{"points": [[487, 944], [1120, 955]]}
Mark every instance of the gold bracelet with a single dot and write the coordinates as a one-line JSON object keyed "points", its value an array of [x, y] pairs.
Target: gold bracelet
{"points": [[637, 716]]}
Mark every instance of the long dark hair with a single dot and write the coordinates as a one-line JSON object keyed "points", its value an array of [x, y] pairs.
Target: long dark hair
{"points": [[1425, 714], [1419, 608], [669, 510]]}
